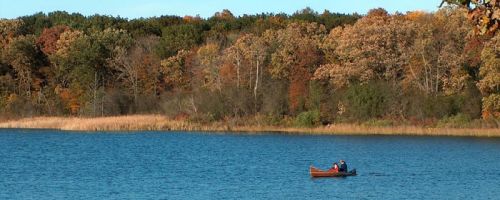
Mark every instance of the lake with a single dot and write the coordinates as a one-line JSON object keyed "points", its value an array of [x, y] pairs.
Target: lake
{"points": [[48, 164]]}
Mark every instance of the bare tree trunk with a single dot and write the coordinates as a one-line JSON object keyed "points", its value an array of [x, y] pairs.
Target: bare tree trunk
{"points": [[154, 86], [102, 99], [193, 105], [102, 106], [437, 80], [219, 83], [416, 78], [134, 84], [238, 63], [426, 77], [431, 80], [94, 102], [250, 80], [256, 84]]}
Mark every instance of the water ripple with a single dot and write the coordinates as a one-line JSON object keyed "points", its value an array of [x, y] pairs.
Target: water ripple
{"points": [[156, 165]]}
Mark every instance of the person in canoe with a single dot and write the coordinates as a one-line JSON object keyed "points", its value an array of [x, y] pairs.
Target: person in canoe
{"points": [[335, 171], [335, 168], [343, 166]]}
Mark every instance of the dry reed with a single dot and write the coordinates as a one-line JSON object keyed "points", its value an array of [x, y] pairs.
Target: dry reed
{"points": [[158, 122], [132, 122]]}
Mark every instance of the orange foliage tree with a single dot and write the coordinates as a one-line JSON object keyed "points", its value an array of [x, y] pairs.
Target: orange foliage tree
{"points": [[47, 41], [490, 78], [374, 48], [296, 56]]}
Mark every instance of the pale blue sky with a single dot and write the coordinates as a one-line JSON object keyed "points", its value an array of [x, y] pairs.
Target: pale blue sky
{"points": [[205, 8]]}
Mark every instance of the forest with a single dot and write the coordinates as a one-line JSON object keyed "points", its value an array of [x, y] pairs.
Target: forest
{"points": [[302, 69]]}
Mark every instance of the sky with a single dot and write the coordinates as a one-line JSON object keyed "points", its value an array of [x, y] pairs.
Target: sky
{"points": [[205, 8]]}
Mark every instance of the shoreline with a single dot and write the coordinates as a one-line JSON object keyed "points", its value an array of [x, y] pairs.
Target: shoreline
{"points": [[163, 123]]}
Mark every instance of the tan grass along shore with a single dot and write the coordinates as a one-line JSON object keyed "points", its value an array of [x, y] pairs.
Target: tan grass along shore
{"points": [[159, 122]]}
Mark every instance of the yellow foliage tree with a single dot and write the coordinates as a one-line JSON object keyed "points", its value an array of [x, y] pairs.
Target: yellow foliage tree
{"points": [[490, 78]]}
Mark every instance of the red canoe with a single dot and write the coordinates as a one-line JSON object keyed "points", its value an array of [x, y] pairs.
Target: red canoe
{"points": [[315, 172]]}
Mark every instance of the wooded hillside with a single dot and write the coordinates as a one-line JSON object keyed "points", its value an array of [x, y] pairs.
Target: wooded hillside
{"points": [[307, 68]]}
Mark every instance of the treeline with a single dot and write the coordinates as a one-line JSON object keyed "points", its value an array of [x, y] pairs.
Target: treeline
{"points": [[303, 69]]}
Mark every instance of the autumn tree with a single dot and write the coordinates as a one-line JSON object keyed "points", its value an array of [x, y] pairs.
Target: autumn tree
{"points": [[177, 71], [255, 52], [490, 78], [150, 73], [437, 60], [416, 53], [235, 55], [60, 58], [23, 55], [62, 64], [49, 37], [127, 63], [9, 29], [374, 48], [179, 77], [295, 58], [81, 62], [210, 63]]}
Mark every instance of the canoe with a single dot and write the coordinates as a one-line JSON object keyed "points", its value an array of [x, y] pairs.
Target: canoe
{"points": [[315, 172]]}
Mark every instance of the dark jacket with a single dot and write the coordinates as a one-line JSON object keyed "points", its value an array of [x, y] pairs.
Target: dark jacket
{"points": [[343, 167]]}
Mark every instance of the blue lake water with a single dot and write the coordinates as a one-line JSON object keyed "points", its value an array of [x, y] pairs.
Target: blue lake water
{"points": [[46, 164]]}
